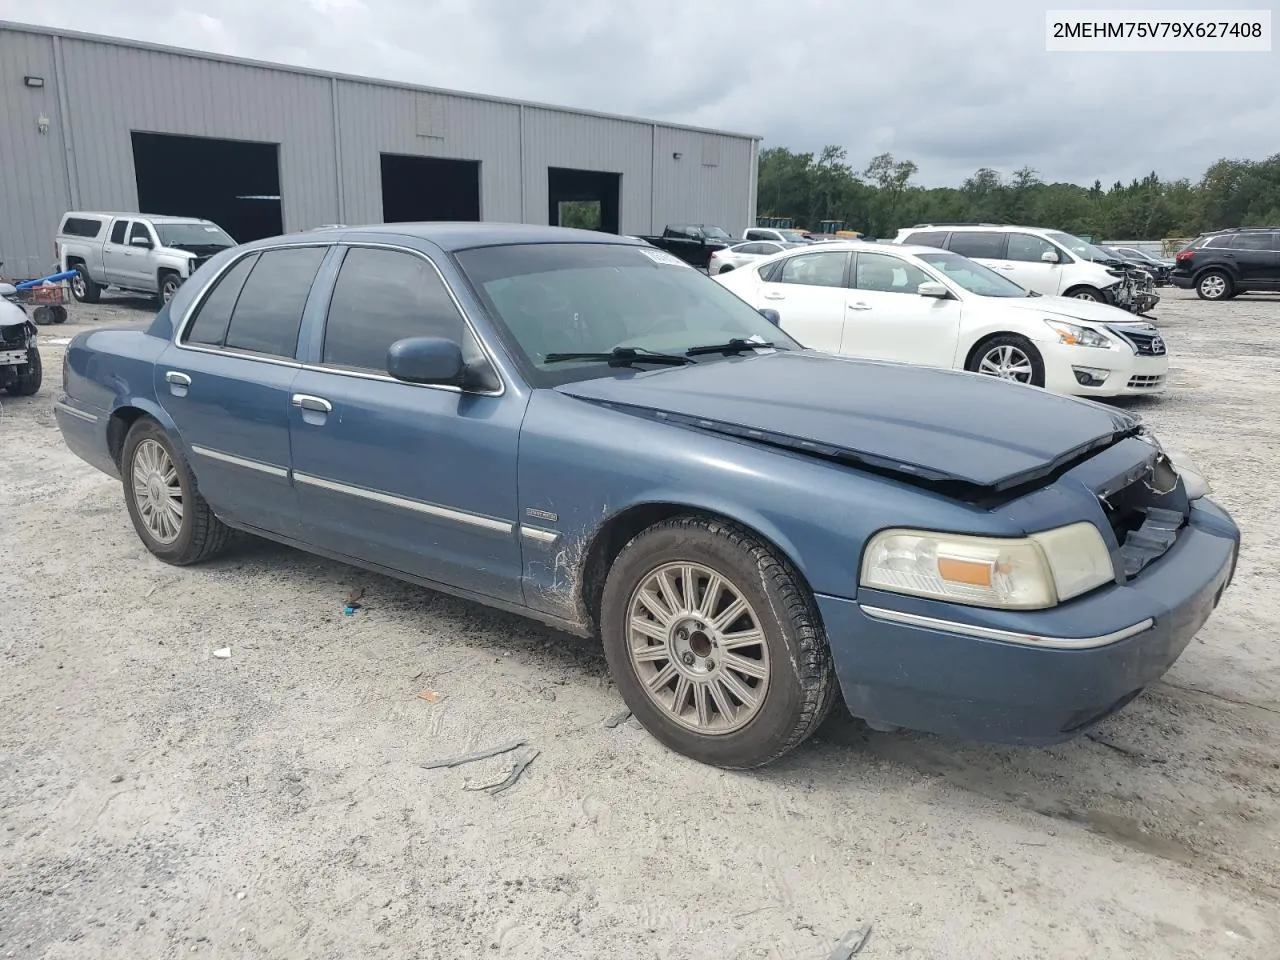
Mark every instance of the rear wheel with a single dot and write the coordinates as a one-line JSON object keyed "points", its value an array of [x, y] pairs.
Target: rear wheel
{"points": [[28, 384], [715, 644], [84, 289], [1214, 285], [1008, 356], [170, 516]]}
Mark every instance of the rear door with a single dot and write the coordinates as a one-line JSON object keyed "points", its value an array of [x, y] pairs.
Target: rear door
{"points": [[889, 320], [414, 477], [227, 384], [811, 295]]}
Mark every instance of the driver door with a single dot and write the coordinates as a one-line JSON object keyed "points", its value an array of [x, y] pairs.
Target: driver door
{"points": [[890, 320], [810, 293]]}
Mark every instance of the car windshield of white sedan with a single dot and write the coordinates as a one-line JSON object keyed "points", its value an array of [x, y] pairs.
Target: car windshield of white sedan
{"points": [[972, 276], [1081, 248], [596, 298]]}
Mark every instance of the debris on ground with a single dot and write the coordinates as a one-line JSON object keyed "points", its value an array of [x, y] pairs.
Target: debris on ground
{"points": [[223, 653], [430, 696], [473, 757], [353, 601], [852, 943], [493, 789], [617, 719], [1117, 747]]}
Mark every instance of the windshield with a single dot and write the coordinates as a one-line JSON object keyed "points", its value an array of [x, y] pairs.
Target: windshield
{"points": [[593, 297], [792, 236], [972, 276], [1081, 248], [192, 235], [715, 233]]}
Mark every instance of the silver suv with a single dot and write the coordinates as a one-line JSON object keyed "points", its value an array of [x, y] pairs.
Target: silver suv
{"points": [[134, 251]]}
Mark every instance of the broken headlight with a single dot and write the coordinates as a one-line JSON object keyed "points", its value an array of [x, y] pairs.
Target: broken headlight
{"points": [[1025, 573]]}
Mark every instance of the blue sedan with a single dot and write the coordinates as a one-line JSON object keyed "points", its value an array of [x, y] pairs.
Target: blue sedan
{"points": [[583, 429]]}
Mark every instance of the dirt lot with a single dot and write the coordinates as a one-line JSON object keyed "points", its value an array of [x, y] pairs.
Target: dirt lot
{"points": [[157, 801]]}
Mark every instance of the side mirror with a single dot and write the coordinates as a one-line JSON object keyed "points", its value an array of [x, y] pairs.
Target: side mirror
{"points": [[8, 290], [141, 242], [773, 316], [933, 289], [1049, 256], [431, 360]]}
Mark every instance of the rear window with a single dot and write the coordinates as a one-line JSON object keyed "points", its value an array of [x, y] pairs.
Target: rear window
{"points": [[928, 238], [81, 227], [977, 244]]}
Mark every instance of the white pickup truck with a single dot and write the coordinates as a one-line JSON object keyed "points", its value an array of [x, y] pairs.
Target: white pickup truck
{"points": [[134, 251]]}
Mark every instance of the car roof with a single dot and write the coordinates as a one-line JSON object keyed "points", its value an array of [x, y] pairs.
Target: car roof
{"points": [[979, 226], [452, 236], [153, 217]]}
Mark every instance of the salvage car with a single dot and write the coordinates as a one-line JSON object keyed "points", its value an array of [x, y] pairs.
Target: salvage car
{"points": [[694, 243], [933, 307], [20, 369], [582, 429]]}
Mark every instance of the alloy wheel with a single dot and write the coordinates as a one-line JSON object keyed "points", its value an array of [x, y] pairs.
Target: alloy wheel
{"points": [[1213, 287], [1008, 363]]}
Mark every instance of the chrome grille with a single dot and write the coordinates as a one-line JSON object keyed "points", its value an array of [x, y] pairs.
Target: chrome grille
{"points": [[1144, 338]]}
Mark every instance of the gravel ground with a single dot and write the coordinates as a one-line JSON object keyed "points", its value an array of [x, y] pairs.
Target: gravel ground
{"points": [[158, 801]]}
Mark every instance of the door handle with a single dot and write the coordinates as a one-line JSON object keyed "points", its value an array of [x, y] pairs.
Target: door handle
{"points": [[859, 306], [181, 379], [315, 404], [775, 296]]}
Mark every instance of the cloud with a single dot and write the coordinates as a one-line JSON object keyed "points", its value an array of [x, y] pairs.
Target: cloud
{"points": [[952, 87]]}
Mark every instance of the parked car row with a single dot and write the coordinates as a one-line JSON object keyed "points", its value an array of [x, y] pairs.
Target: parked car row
{"points": [[625, 449]]}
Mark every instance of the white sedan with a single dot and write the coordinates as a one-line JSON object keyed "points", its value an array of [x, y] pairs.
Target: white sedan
{"points": [[742, 254], [927, 306]]}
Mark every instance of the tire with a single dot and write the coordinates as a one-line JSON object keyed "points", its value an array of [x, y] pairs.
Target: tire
{"points": [[169, 284], [1214, 285], [59, 314], [199, 534], [83, 288], [792, 664], [42, 315], [28, 384], [727, 268], [1007, 351], [1092, 294]]}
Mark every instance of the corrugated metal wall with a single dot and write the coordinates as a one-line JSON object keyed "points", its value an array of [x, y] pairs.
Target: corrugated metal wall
{"points": [[330, 131]]}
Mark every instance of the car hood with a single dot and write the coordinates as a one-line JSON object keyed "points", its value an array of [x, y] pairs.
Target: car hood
{"points": [[1068, 308], [924, 424]]}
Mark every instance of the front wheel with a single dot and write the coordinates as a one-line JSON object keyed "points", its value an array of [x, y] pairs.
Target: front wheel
{"points": [[1008, 356], [715, 643], [28, 384], [1092, 294], [169, 284], [170, 516], [83, 288]]}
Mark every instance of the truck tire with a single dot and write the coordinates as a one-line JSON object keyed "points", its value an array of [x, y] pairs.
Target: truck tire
{"points": [[83, 288], [28, 384], [169, 284], [739, 672]]}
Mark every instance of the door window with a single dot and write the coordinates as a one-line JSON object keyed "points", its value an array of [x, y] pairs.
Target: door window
{"points": [[117, 231], [815, 269], [383, 296], [212, 316], [977, 243], [268, 312], [1253, 241], [1029, 249], [139, 231], [884, 274]]}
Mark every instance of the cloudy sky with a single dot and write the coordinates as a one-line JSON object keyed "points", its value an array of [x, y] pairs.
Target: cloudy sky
{"points": [[952, 86]]}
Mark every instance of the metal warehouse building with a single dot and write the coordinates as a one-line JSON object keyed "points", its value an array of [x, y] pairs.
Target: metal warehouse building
{"points": [[95, 123]]}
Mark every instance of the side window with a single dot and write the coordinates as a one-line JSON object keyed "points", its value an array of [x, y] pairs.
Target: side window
{"points": [[927, 238], [815, 269], [751, 248], [769, 272], [1028, 249], [753, 235], [383, 296], [885, 274], [269, 311], [767, 248], [213, 315], [117, 231], [81, 227], [977, 243], [139, 231], [1252, 241]]}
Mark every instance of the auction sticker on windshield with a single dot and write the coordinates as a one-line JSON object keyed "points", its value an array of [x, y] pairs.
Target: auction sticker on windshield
{"points": [[661, 256]]}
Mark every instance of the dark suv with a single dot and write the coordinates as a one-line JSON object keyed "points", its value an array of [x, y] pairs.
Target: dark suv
{"points": [[1220, 264]]}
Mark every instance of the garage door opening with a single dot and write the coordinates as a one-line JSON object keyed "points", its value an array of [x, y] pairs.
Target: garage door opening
{"points": [[584, 198], [429, 188], [234, 183]]}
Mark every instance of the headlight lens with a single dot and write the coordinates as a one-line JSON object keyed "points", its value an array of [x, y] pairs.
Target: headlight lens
{"points": [[1029, 573], [1077, 336], [1194, 481]]}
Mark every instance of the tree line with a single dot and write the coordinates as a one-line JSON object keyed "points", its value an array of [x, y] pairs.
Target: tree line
{"points": [[881, 198]]}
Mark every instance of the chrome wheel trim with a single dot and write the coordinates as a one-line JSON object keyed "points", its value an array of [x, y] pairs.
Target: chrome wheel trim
{"points": [[697, 648], [1008, 363], [1086, 295], [77, 285], [1213, 287], [156, 491], [167, 290]]}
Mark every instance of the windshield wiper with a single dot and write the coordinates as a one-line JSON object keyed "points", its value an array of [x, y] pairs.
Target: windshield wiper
{"points": [[622, 357], [736, 345]]}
